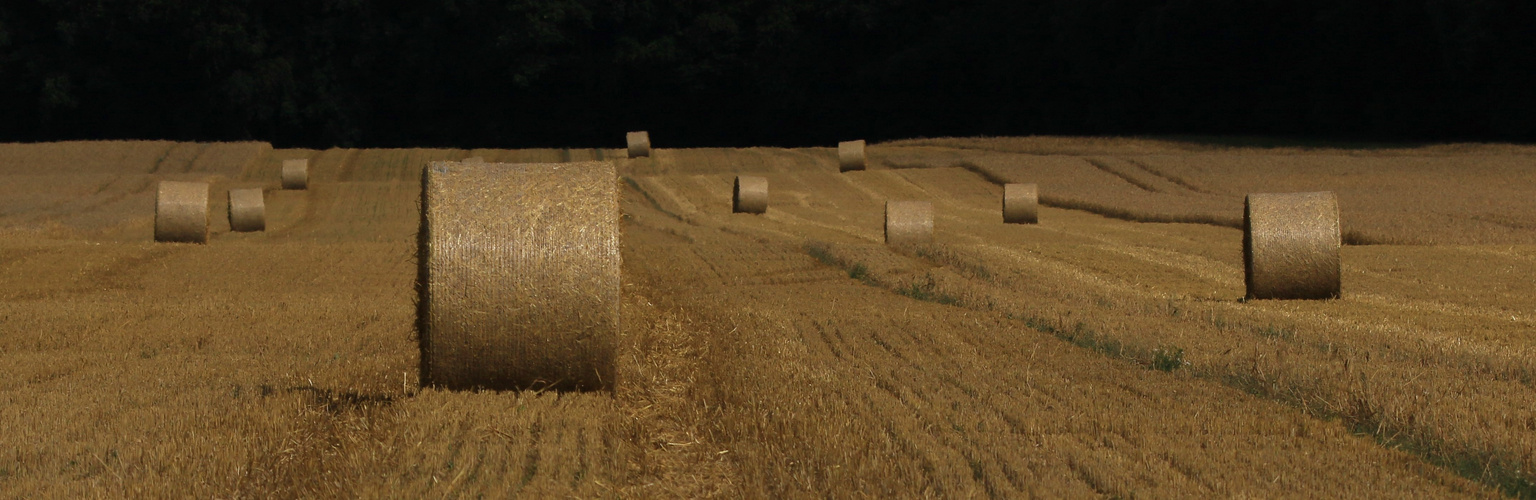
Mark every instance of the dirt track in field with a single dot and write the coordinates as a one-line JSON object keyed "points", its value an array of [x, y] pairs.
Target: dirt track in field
{"points": [[788, 354]]}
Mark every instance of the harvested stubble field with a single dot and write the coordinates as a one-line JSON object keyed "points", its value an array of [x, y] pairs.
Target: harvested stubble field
{"points": [[789, 354]]}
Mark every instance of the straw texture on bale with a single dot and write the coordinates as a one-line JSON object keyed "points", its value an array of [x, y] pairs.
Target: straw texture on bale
{"points": [[181, 212], [850, 155], [750, 195], [518, 276], [296, 174], [1291, 245], [474, 159], [639, 144], [247, 210], [1021, 204], [908, 222]]}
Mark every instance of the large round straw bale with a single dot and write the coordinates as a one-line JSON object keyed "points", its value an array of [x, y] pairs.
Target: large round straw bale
{"points": [[518, 275], [1291, 245], [850, 155], [750, 195], [474, 159], [181, 212], [247, 210], [296, 174], [1021, 204], [908, 222], [639, 144]]}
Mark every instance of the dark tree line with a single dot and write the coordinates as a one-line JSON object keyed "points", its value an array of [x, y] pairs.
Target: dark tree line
{"points": [[743, 72]]}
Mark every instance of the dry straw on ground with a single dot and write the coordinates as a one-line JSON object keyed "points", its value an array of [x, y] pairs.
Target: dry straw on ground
{"points": [[518, 283], [639, 143], [908, 222], [850, 155], [1021, 203], [1291, 245], [181, 212], [750, 194], [296, 174], [247, 210]]}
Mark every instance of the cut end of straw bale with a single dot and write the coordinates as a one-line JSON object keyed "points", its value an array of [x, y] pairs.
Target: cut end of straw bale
{"points": [[908, 222], [518, 277], [1291, 245], [1021, 204], [296, 174], [850, 155], [247, 210], [750, 195], [181, 212], [639, 144]]}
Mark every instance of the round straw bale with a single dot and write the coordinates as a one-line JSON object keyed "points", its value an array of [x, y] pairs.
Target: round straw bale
{"points": [[850, 155], [1021, 203], [247, 210], [908, 222], [750, 195], [296, 174], [518, 275], [474, 159], [639, 144], [1291, 245], [181, 212]]}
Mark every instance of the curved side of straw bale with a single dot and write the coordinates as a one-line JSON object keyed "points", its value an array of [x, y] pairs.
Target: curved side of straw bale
{"points": [[474, 159], [850, 155], [1021, 204], [908, 222], [1291, 245], [639, 143], [181, 212], [750, 195], [518, 276], [296, 174], [247, 210]]}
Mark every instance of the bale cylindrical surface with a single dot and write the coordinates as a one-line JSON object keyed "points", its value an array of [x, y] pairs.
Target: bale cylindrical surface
{"points": [[908, 222], [1021, 204], [474, 159], [750, 195], [518, 275], [639, 144], [850, 155], [1291, 245], [181, 212], [247, 210], [296, 174]]}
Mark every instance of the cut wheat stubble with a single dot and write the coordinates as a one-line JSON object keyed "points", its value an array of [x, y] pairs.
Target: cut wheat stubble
{"points": [[247, 210], [1291, 245], [181, 212], [908, 222], [296, 174], [750, 195], [850, 155], [1021, 204], [518, 276], [639, 144]]}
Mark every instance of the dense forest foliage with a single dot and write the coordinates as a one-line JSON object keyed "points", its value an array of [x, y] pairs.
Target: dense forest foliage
{"points": [[755, 72]]}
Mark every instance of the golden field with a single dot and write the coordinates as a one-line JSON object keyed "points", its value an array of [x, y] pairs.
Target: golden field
{"points": [[1103, 352]]}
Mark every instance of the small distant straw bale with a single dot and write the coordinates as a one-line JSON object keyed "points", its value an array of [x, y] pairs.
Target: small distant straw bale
{"points": [[908, 222], [296, 174], [1291, 245], [518, 276], [1021, 204], [639, 144], [247, 210], [750, 195], [181, 212], [850, 155]]}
